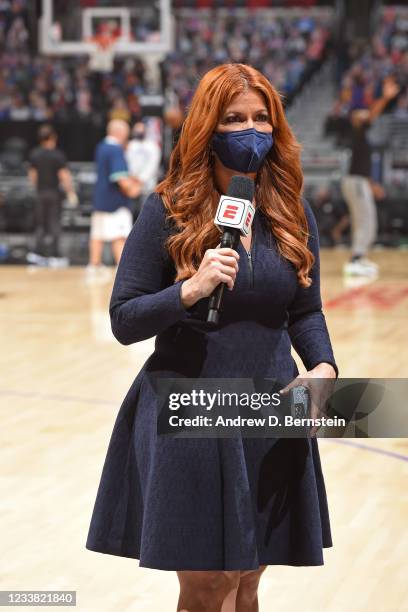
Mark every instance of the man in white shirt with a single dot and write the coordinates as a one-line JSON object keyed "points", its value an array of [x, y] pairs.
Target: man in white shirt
{"points": [[143, 156]]}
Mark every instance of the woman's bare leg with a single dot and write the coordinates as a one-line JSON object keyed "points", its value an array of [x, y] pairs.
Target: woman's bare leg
{"points": [[207, 591], [247, 596]]}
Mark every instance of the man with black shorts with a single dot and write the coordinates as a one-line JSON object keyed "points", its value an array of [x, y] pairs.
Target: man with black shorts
{"points": [[48, 170]]}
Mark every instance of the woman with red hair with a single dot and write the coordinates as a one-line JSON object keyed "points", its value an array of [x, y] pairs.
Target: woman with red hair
{"points": [[218, 511]]}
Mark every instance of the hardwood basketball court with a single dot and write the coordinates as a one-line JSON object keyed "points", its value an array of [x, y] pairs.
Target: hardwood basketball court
{"points": [[63, 379]]}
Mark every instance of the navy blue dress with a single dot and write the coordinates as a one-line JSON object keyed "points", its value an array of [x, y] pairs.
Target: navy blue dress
{"points": [[207, 503]]}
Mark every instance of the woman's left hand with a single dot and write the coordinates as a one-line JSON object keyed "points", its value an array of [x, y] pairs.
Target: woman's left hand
{"points": [[319, 391]]}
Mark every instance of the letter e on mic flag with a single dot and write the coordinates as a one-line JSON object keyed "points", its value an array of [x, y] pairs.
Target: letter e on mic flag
{"points": [[235, 213]]}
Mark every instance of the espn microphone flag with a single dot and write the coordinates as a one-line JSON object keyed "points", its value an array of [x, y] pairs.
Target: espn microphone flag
{"points": [[235, 213], [234, 217]]}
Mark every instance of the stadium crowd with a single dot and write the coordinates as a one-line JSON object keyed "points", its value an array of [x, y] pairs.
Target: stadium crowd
{"points": [[283, 47], [43, 88]]}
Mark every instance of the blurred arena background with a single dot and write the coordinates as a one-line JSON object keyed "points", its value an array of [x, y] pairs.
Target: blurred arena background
{"points": [[321, 57], [76, 64]]}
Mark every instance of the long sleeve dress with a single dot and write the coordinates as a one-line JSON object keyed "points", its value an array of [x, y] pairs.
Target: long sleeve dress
{"points": [[212, 503]]}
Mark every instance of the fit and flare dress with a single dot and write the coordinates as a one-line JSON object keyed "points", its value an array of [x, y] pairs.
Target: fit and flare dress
{"points": [[208, 503]]}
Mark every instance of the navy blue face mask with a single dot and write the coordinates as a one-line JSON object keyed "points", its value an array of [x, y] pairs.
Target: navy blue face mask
{"points": [[242, 150]]}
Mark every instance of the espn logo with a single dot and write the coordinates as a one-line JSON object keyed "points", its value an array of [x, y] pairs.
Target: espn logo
{"points": [[230, 211], [235, 213]]}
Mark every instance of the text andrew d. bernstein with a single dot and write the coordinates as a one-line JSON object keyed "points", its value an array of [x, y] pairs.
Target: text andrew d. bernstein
{"points": [[271, 421]]}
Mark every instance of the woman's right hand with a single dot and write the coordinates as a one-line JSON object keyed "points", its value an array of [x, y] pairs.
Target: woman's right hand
{"points": [[218, 265]]}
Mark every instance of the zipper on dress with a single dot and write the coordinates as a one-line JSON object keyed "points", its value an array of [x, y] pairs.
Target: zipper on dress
{"points": [[251, 269], [250, 254]]}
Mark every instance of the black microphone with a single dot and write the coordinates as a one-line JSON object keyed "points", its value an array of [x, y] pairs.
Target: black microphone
{"points": [[234, 216]]}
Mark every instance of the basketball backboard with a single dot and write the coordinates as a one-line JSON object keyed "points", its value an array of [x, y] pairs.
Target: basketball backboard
{"points": [[136, 27]]}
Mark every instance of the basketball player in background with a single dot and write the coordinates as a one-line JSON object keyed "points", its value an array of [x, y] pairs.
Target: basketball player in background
{"points": [[47, 172], [359, 189], [143, 156], [111, 219]]}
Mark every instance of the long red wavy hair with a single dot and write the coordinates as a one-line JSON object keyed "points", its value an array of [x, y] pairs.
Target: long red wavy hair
{"points": [[189, 192]]}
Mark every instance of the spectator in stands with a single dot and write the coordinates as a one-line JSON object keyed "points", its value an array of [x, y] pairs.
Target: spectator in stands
{"points": [[358, 188], [120, 110], [111, 219], [143, 156], [19, 110], [39, 110], [17, 36], [14, 34], [48, 170]]}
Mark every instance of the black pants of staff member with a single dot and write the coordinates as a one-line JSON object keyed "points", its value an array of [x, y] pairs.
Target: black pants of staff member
{"points": [[47, 216]]}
